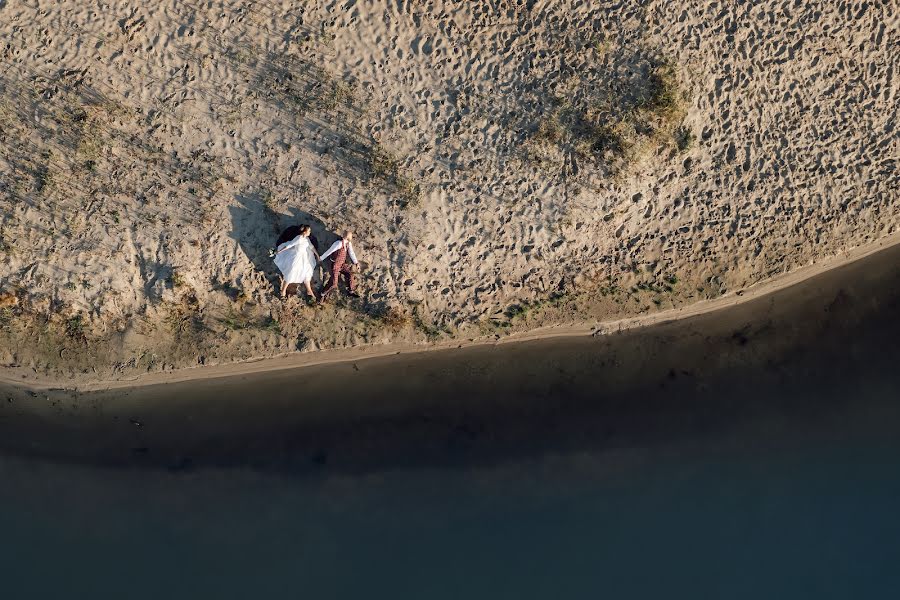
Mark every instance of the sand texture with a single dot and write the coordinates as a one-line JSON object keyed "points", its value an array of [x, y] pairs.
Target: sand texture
{"points": [[504, 165]]}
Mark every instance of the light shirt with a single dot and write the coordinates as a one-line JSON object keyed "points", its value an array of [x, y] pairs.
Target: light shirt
{"points": [[337, 246]]}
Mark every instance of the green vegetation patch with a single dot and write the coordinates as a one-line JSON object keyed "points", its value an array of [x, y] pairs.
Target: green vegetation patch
{"points": [[175, 279], [74, 327]]}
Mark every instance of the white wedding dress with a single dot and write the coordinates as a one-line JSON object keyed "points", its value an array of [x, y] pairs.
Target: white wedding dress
{"points": [[297, 261]]}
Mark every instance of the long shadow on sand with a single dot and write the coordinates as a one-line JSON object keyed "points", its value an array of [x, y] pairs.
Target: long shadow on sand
{"points": [[256, 229]]}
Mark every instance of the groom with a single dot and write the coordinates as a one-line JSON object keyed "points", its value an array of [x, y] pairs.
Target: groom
{"points": [[342, 249]]}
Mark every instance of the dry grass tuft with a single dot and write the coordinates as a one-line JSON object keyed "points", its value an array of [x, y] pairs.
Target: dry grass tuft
{"points": [[595, 130], [393, 318], [386, 168]]}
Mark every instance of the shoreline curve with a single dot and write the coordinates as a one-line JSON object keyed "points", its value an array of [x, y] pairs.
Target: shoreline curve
{"points": [[294, 360]]}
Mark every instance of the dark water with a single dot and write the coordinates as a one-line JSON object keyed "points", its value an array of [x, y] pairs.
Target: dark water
{"points": [[811, 522], [753, 453]]}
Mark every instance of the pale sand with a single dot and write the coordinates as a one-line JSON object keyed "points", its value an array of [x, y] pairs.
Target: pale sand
{"points": [[152, 152]]}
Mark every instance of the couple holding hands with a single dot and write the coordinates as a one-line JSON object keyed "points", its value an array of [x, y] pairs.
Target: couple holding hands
{"points": [[297, 260]]}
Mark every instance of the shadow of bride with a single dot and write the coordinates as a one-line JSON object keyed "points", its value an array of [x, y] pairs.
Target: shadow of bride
{"points": [[258, 229]]}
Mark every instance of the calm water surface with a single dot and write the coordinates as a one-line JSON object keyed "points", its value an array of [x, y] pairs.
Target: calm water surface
{"points": [[816, 519]]}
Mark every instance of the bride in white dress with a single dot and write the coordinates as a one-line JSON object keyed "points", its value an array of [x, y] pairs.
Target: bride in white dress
{"points": [[296, 259]]}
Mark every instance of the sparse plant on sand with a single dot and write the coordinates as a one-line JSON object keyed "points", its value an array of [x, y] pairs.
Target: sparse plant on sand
{"points": [[337, 93], [185, 319], [89, 149], [392, 318], [431, 330], [175, 279], [238, 321], [386, 168], [684, 139], [662, 110], [74, 327], [610, 289], [665, 96], [610, 130], [523, 309], [43, 175], [268, 199], [6, 317]]}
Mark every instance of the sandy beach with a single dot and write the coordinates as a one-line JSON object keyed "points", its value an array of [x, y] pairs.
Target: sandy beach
{"points": [[509, 169], [814, 343], [28, 379]]}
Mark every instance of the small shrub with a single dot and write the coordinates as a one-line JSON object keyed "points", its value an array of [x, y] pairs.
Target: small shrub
{"points": [[185, 318], [44, 180], [74, 327], [268, 199], [269, 324], [185, 322], [609, 290], [385, 168], [336, 93], [684, 139], [607, 130], [665, 97], [175, 279], [236, 321], [514, 311], [431, 331], [393, 318], [550, 130]]}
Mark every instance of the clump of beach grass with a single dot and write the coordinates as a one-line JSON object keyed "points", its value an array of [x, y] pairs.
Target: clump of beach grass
{"points": [[185, 319], [431, 330], [386, 168], [392, 318], [238, 321], [612, 131], [74, 327], [175, 279]]}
